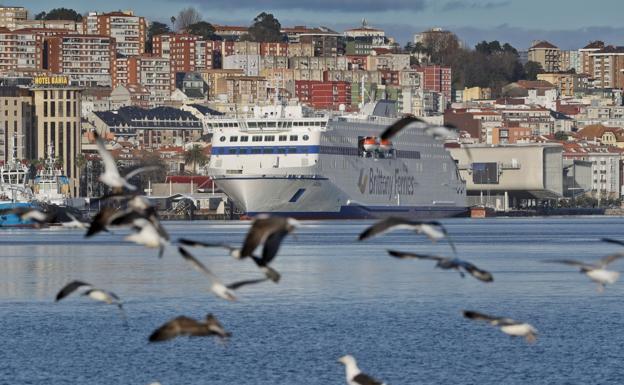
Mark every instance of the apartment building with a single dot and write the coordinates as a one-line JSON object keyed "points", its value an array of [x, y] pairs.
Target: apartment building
{"points": [[70, 26], [437, 78], [211, 77], [23, 49], [586, 62], [608, 67], [186, 52], [129, 31], [567, 83], [87, 60], [245, 90], [570, 60], [11, 16], [323, 95], [546, 54], [154, 73]]}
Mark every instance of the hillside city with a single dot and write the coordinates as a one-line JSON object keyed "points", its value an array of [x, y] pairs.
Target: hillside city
{"points": [[152, 89]]}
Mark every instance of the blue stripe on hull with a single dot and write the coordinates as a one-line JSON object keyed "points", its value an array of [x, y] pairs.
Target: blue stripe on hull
{"points": [[373, 212], [13, 220]]}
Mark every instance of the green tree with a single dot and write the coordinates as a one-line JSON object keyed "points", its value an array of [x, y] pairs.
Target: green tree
{"points": [[203, 29], [195, 156], [560, 135], [532, 69], [59, 14], [156, 28], [266, 28]]}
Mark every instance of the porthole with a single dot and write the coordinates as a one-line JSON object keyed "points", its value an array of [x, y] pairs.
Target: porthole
{"points": [[222, 138], [306, 137]]}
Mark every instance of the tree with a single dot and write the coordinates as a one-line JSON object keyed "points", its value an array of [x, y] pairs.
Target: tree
{"points": [[173, 20], [154, 29], [265, 28], [59, 14], [203, 29], [441, 47], [195, 156], [560, 135], [148, 158], [532, 69], [187, 17]]}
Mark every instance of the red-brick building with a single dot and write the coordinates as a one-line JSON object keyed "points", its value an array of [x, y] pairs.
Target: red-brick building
{"points": [[323, 95], [437, 78]]}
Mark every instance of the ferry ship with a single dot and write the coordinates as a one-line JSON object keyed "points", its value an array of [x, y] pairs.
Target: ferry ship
{"points": [[280, 162], [51, 186]]}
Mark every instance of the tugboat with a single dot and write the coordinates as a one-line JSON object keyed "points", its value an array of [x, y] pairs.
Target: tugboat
{"points": [[50, 186]]}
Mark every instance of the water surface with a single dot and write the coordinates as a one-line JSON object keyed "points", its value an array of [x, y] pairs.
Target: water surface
{"points": [[400, 319]]}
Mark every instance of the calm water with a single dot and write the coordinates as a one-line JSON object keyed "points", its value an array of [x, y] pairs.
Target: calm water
{"points": [[400, 319]]}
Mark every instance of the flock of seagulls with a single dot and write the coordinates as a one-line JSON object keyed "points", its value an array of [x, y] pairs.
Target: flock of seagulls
{"points": [[126, 208]]}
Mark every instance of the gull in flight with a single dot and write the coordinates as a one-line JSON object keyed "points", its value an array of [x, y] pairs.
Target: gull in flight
{"points": [[448, 263], [506, 325]]}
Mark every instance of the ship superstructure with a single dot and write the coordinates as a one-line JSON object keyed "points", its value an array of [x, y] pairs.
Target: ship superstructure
{"points": [[281, 162]]}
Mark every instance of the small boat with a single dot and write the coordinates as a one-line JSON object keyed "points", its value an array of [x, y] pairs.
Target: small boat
{"points": [[385, 145]]}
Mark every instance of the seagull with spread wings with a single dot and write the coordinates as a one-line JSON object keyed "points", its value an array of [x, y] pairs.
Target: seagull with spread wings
{"points": [[92, 292], [185, 326], [597, 272], [216, 286], [434, 230], [506, 325], [448, 263], [111, 176]]}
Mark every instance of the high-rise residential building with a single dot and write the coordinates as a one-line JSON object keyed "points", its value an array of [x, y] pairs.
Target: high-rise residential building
{"points": [[11, 16], [570, 60], [23, 49], [608, 67], [186, 52], [154, 73], [128, 30], [546, 54], [246, 90], [437, 78], [86, 59], [325, 95], [586, 62]]}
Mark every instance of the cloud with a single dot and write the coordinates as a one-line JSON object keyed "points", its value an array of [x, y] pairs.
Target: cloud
{"points": [[460, 5], [347, 6]]}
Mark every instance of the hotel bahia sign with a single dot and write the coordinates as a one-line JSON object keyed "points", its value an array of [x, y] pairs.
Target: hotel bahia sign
{"points": [[51, 80]]}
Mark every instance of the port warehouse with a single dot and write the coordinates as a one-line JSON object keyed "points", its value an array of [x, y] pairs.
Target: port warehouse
{"points": [[515, 176]]}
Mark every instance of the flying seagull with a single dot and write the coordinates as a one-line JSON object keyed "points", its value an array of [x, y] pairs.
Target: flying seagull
{"points": [[506, 325], [74, 223], [261, 262], [354, 374], [218, 288], [447, 131], [448, 263], [432, 229], [269, 231], [149, 235], [185, 326], [107, 297], [111, 176], [596, 272]]}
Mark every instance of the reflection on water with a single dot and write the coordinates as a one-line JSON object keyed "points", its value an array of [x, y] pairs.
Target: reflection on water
{"points": [[401, 319]]}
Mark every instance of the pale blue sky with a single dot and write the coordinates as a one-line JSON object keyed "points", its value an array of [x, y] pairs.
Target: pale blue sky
{"points": [[567, 23]]}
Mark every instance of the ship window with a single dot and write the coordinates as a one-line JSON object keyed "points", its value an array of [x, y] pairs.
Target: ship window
{"points": [[269, 138], [256, 138], [256, 151], [306, 137], [244, 139], [283, 138], [268, 150], [281, 150], [232, 151], [294, 137], [252, 124], [222, 139], [292, 150], [271, 124], [233, 138]]}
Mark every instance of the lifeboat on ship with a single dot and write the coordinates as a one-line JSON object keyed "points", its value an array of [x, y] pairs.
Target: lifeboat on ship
{"points": [[385, 145], [371, 143]]}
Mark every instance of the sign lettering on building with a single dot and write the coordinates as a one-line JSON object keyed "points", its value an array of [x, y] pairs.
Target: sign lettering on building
{"points": [[51, 80]]}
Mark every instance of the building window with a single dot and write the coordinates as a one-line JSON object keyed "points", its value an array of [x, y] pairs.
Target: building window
{"points": [[52, 109], [45, 109]]}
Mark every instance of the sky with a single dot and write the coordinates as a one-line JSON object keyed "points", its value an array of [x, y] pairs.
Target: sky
{"points": [[569, 24]]}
